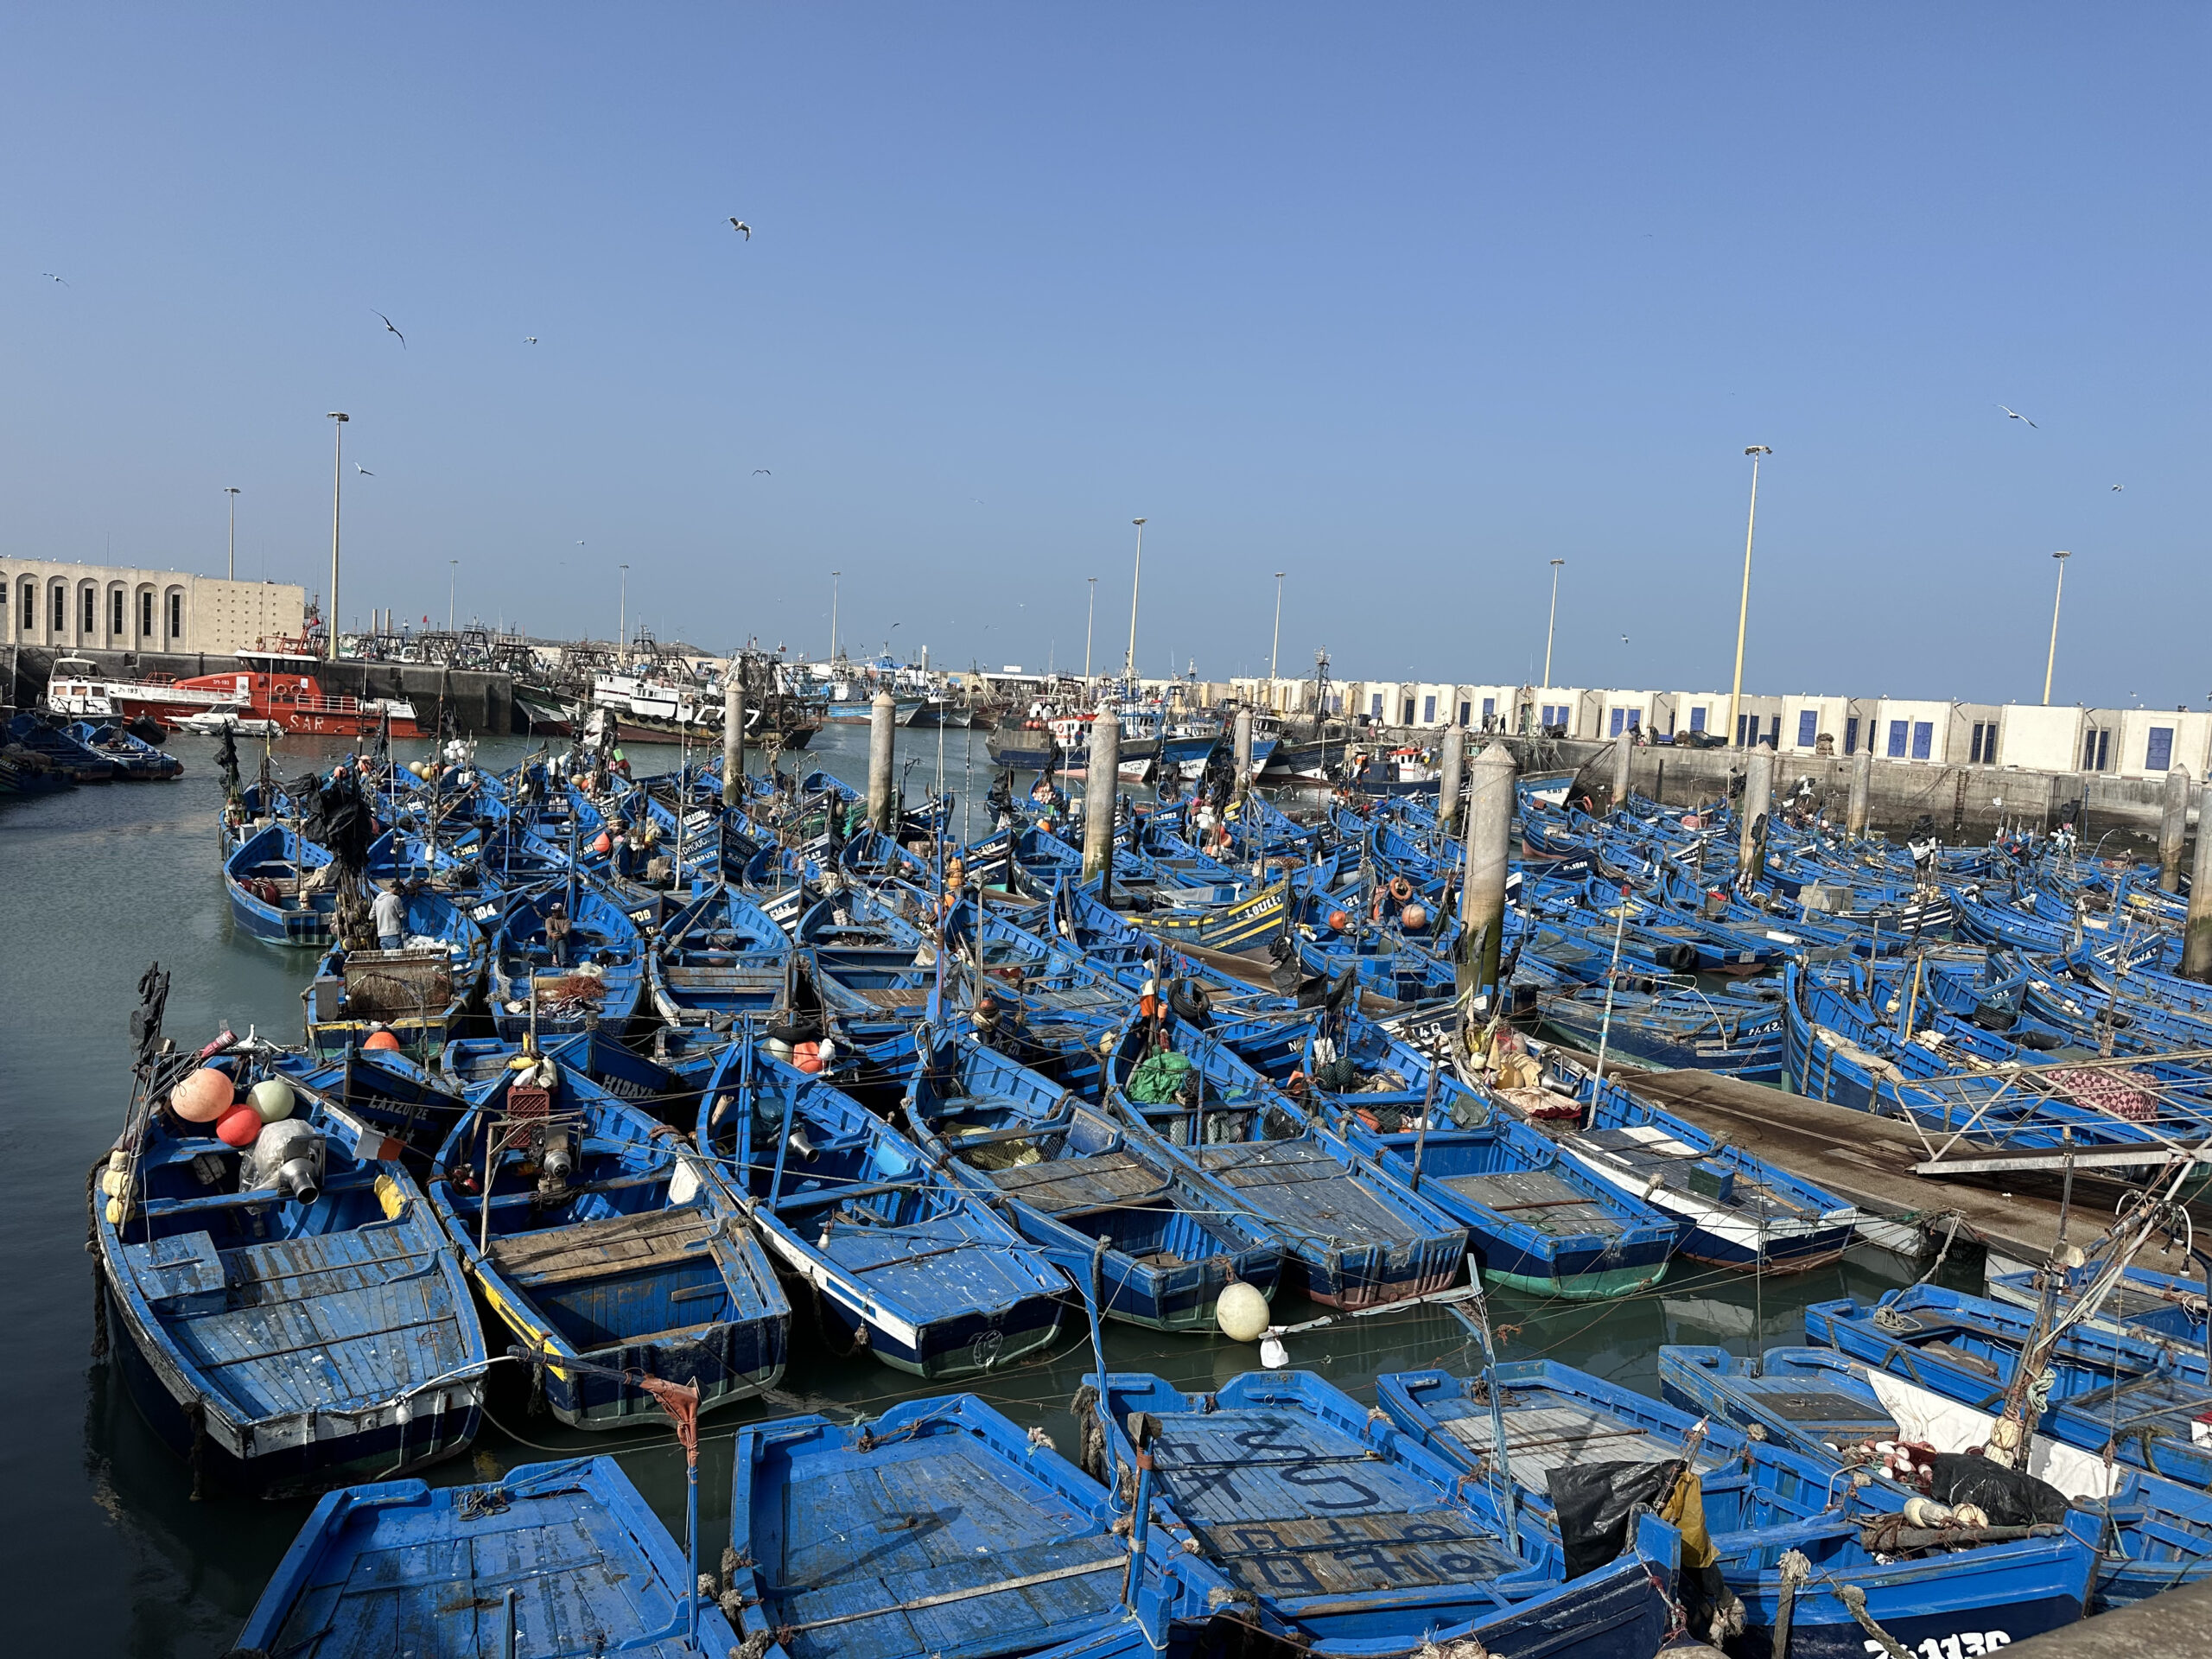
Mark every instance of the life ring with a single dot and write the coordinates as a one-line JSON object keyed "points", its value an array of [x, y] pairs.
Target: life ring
{"points": [[1401, 889]]}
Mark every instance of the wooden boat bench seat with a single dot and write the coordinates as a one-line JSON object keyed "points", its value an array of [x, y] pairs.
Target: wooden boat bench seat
{"points": [[592, 1249]]}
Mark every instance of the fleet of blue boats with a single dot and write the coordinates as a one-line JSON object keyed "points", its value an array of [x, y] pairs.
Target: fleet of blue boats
{"points": [[626, 1100]]}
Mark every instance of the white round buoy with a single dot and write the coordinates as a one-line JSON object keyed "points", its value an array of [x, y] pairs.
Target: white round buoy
{"points": [[272, 1098], [1242, 1311]]}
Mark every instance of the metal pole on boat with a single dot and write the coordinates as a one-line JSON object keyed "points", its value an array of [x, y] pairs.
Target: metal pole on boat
{"points": [[1136, 580], [1089, 611], [1452, 765], [2196, 934], [1612, 978], [511, 1623], [1428, 1108], [231, 567], [1490, 849], [1552, 623], [1101, 776], [2173, 829], [1758, 801], [734, 733], [1758, 452], [337, 483], [1275, 650], [883, 722], [1862, 793]]}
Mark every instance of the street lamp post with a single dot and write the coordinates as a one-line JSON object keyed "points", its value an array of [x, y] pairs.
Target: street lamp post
{"points": [[833, 574], [1757, 452], [1275, 650], [231, 569], [1089, 611], [337, 483], [622, 613], [453, 581], [1136, 579], [2052, 661], [1552, 624]]}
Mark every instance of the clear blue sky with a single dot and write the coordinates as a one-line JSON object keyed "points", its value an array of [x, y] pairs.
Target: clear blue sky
{"points": [[1405, 301]]}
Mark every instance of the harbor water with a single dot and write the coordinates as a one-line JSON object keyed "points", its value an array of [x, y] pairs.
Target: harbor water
{"points": [[106, 1551]]}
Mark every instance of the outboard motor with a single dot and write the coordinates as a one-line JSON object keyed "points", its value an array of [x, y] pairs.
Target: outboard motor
{"points": [[553, 1149], [286, 1158]]}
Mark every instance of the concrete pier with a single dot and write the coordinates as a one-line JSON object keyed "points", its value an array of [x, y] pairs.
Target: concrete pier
{"points": [[1243, 749], [1100, 787], [1862, 794], [1490, 846], [1759, 801], [2196, 934], [1453, 764], [882, 728], [2173, 829], [733, 740], [1624, 767]]}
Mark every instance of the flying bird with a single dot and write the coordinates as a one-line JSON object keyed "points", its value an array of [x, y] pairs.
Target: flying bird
{"points": [[2120, 487], [530, 340], [362, 470], [2017, 416], [49, 273], [387, 323], [759, 472], [740, 225]]}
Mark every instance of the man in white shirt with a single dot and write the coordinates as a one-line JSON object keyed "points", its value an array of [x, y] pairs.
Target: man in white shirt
{"points": [[389, 917]]}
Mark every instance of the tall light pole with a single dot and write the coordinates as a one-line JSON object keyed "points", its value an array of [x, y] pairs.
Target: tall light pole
{"points": [[2052, 661], [1551, 626], [622, 614], [1136, 580], [1275, 650], [453, 581], [833, 574], [1089, 611], [231, 569], [337, 483], [1757, 452]]}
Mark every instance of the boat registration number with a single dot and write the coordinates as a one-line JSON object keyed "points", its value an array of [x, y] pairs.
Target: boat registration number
{"points": [[1966, 1644]]}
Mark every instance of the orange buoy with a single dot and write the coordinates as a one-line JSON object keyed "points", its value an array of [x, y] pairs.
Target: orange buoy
{"points": [[1401, 889], [203, 1096], [1339, 920], [238, 1127], [807, 1057], [1416, 917], [604, 844], [381, 1039]]}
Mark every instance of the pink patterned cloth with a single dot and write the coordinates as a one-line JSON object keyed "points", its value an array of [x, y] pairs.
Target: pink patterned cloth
{"points": [[2115, 1092]]}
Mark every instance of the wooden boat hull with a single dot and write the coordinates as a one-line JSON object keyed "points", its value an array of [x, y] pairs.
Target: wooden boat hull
{"points": [[1230, 927]]}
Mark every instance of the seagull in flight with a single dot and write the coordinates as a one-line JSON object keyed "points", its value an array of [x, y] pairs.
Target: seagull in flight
{"points": [[49, 273], [736, 224], [530, 340], [2120, 487], [387, 323], [362, 470], [2017, 416], [759, 472]]}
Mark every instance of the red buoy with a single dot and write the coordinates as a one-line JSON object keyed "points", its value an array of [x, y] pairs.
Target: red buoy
{"points": [[381, 1039], [238, 1127]]}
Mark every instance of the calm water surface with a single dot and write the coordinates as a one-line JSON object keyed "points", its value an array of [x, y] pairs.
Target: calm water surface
{"points": [[104, 1549]]}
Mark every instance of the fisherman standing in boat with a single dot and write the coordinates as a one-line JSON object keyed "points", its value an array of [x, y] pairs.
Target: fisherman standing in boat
{"points": [[556, 932], [389, 917]]}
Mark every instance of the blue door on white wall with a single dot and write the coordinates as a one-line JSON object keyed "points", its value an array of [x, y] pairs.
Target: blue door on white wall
{"points": [[1808, 726], [2159, 753]]}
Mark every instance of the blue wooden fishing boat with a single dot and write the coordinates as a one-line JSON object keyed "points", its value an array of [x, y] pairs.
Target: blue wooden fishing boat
{"points": [[1290, 1498], [2144, 1401], [135, 759], [1757, 1500], [718, 960], [419, 993], [897, 1258], [607, 1242], [2151, 1535], [289, 1317], [1535, 1220], [62, 750], [867, 962], [1734, 1210], [276, 884], [556, 1561], [1361, 1236], [2146, 1304], [938, 1531], [597, 979], [1070, 1176]]}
